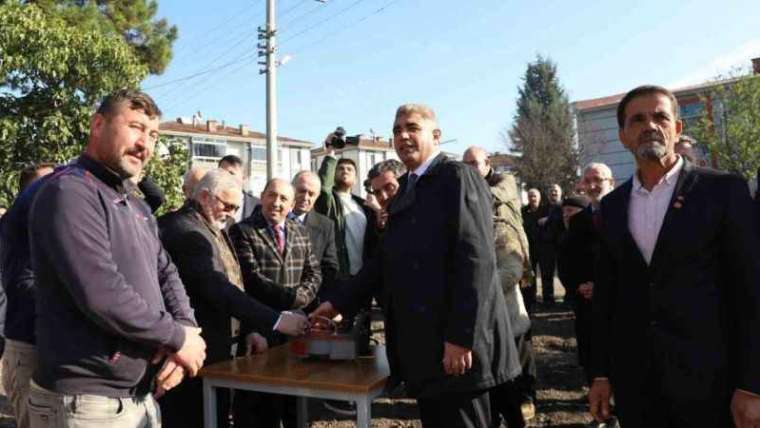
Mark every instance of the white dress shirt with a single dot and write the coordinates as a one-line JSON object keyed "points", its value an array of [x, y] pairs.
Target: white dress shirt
{"points": [[647, 209], [356, 224], [420, 171]]}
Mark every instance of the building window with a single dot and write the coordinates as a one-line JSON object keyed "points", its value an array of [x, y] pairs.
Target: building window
{"points": [[210, 148], [259, 154]]}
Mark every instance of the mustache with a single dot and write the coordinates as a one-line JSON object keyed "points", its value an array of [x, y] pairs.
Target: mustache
{"points": [[138, 153], [652, 135]]}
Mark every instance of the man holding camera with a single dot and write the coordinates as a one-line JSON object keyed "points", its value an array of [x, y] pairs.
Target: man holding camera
{"points": [[346, 210]]}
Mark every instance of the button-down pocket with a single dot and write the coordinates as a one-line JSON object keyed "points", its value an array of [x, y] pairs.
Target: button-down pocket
{"points": [[42, 415]]}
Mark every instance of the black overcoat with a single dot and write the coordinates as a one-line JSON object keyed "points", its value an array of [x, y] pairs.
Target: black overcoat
{"points": [[685, 326], [190, 242], [436, 273]]}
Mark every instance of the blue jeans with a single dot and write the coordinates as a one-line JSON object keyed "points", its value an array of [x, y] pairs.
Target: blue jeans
{"points": [[48, 409]]}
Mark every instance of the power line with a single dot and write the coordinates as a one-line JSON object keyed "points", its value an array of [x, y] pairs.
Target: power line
{"points": [[207, 71], [209, 68], [324, 21], [344, 28], [292, 8], [285, 27], [189, 50], [199, 89]]}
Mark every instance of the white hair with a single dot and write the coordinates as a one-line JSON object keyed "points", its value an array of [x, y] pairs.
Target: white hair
{"points": [[307, 175], [215, 181], [603, 169]]}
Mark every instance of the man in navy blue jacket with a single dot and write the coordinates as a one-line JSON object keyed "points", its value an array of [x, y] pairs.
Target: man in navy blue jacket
{"points": [[20, 358], [109, 300]]}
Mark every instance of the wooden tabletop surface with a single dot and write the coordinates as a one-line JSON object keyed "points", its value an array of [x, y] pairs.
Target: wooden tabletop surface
{"points": [[278, 367]]}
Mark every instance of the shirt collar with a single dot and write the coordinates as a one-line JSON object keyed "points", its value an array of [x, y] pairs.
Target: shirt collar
{"points": [[422, 169], [300, 218], [105, 174], [271, 225], [669, 178]]}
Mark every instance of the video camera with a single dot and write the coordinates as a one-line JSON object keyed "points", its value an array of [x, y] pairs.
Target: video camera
{"points": [[339, 138]]}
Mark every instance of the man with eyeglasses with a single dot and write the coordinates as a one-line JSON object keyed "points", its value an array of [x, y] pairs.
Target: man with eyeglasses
{"points": [[578, 251], [206, 261], [234, 165]]}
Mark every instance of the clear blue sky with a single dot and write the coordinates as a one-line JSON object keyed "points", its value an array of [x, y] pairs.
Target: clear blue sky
{"points": [[354, 61]]}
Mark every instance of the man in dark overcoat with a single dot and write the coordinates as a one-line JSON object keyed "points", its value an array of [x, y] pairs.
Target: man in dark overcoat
{"points": [[321, 229], [448, 334], [677, 297]]}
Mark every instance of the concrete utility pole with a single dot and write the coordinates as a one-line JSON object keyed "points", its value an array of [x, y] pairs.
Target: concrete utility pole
{"points": [[270, 69]]}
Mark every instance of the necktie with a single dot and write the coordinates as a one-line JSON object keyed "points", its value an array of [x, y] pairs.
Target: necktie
{"points": [[279, 240], [411, 182]]}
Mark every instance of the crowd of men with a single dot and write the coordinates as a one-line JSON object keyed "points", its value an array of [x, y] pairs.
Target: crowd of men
{"points": [[111, 313]]}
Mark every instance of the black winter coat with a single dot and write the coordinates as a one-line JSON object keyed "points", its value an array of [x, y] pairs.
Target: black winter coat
{"points": [[192, 246], [436, 273]]}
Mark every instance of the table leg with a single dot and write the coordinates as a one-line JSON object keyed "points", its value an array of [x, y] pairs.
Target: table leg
{"points": [[209, 405], [363, 416], [302, 410]]}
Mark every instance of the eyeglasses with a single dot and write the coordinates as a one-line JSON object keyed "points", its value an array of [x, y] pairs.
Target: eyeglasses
{"points": [[230, 208]]}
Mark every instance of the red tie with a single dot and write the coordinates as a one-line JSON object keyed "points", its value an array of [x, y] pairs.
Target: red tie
{"points": [[278, 238]]}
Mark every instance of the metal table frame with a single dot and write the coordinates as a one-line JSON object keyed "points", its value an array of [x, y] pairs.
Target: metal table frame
{"points": [[363, 400]]}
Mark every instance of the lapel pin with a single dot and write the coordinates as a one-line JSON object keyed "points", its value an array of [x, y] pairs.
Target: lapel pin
{"points": [[679, 202]]}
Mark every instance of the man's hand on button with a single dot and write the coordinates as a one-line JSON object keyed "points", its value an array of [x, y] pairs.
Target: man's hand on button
{"points": [[456, 359]]}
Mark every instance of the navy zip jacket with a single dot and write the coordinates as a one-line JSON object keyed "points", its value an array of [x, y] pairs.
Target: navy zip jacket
{"points": [[108, 296], [16, 265]]}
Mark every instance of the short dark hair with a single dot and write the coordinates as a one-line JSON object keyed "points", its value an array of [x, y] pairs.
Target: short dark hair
{"points": [[29, 174], [351, 162], [641, 91], [397, 168], [137, 100], [231, 159]]}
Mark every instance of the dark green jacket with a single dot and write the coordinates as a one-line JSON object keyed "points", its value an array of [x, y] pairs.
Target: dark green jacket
{"points": [[328, 205]]}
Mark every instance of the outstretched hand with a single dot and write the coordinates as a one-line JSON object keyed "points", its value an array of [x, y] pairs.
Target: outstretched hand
{"points": [[745, 408], [456, 359], [325, 310]]}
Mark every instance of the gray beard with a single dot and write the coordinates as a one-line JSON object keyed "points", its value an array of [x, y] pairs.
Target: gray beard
{"points": [[653, 152]]}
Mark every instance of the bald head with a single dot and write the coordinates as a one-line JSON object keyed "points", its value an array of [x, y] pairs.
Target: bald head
{"points": [[192, 177], [477, 158], [277, 200], [534, 198]]}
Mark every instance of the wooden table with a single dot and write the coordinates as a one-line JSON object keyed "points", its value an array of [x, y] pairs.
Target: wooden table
{"points": [[277, 372]]}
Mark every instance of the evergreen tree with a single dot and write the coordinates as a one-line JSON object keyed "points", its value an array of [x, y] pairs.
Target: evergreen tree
{"points": [[151, 40], [542, 130]]}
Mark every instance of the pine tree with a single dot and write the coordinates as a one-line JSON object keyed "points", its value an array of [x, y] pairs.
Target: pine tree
{"points": [[134, 21], [542, 130]]}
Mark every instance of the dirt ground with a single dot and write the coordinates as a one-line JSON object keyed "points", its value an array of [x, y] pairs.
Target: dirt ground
{"points": [[561, 393], [561, 389]]}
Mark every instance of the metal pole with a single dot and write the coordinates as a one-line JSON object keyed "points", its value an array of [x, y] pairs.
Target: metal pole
{"points": [[271, 71]]}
